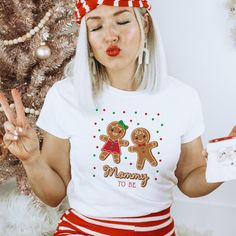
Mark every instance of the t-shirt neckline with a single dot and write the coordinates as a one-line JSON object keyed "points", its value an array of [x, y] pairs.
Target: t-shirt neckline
{"points": [[110, 88]]}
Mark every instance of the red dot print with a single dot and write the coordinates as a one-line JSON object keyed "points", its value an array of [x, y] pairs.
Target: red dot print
{"points": [[94, 136], [97, 147], [94, 168], [145, 113], [161, 139], [158, 114], [131, 164], [104, 109], [124, 112]]}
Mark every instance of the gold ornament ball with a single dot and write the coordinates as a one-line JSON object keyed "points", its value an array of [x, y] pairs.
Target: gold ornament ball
{"points": [[43, 52]]}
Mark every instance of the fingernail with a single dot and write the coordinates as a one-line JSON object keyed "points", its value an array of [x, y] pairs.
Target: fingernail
{"points": [[15, 132], [6, 146], [20, 129], [15, 137]]}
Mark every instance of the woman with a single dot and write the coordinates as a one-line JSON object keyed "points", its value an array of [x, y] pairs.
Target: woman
{"points": [[119, 133]]}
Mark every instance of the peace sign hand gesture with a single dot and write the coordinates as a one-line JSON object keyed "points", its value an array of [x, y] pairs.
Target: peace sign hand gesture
{"points": [[20, 138]]}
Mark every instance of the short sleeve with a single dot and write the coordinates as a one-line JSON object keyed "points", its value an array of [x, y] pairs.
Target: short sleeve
{"points": [[51, 115], [195, 125]]}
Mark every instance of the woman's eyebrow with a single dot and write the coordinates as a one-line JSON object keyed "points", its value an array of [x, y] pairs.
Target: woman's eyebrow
{"points": [[115, 14]]}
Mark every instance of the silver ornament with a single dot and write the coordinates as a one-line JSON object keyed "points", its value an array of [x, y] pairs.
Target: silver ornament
{"points": [[43, 52]]}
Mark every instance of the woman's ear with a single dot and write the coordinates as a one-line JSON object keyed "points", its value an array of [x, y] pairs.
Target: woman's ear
{"points": [[146, 23]]}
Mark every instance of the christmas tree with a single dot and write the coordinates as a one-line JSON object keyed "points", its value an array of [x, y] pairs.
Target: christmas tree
{"points": [[37, 40]]}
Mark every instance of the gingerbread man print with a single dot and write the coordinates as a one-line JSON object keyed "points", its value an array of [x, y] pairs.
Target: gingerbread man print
{"points": [[116, 130], [141, 137]]}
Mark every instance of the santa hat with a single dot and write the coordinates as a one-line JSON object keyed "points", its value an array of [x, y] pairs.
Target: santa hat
{"points": [[85, 6]]}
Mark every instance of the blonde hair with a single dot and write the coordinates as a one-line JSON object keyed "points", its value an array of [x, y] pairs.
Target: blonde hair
{"points": [[89, 86]]}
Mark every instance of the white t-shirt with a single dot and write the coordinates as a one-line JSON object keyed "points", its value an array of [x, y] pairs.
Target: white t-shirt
{"points": [[123, 157]]}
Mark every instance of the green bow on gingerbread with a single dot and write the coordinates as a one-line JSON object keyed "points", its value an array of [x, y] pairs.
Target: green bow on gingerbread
{"points": [[123, 125]]}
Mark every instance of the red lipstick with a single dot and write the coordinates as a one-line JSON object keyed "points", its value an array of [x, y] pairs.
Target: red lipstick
{"points": [[113, 51]]}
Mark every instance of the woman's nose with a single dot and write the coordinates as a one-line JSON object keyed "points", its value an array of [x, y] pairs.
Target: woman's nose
{"points": [[111, 35]]}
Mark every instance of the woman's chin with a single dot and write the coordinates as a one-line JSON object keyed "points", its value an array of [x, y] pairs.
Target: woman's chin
{"points": [[115, 66]]}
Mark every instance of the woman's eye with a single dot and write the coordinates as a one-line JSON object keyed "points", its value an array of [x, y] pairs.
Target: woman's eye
{"points": [[123, 23], [95, 29], [98, 28]]}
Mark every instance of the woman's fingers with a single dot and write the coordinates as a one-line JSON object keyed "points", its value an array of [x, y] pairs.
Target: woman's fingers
{"points": [[7, 109], [9, 127], [8, 138], [233, 131], [20, 110], [20, 119]]}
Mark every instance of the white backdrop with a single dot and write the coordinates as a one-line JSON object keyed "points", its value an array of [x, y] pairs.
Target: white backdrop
{"points": [[200, 51]]}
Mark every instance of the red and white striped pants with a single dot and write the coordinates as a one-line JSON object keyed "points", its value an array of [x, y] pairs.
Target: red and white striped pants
{"points": [[155, 224]]}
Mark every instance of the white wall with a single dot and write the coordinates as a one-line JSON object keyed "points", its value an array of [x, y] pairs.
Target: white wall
{"points": [[201, 52]]}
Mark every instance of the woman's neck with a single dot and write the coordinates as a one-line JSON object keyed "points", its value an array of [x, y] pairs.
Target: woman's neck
{"points": [[123, 79]]}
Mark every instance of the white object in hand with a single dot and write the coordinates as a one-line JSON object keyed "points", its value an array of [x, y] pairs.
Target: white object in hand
{"points": [[221, 164]]}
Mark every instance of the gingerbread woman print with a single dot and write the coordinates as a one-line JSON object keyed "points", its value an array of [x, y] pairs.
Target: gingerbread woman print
{"points": [[141, 137], [116, 130]]}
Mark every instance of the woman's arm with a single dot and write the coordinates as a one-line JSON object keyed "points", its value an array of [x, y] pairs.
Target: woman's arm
{"points": [[191, 170], [49, 170]]}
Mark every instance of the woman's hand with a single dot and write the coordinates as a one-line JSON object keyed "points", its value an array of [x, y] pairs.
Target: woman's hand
{"points": [[20, 138], [233, 132]]}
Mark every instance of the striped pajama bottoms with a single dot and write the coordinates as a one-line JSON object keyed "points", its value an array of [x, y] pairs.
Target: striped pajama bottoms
{"points": [[155, 224]]}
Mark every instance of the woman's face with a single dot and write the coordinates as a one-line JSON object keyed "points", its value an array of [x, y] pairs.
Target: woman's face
{"points": [[114, 36]]}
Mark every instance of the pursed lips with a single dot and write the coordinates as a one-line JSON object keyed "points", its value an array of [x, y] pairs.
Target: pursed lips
{"points": [[113, 51]]}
